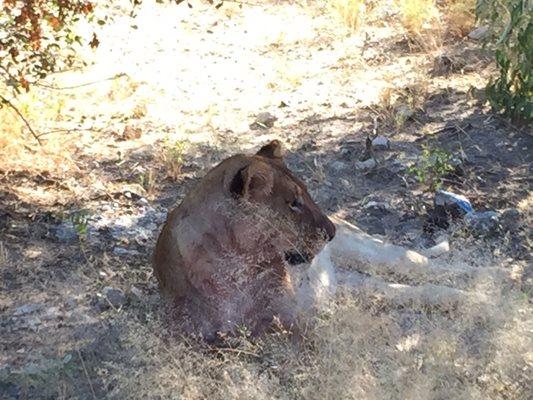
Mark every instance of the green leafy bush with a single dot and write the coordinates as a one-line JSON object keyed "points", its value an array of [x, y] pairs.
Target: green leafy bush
{"points": [[36, 39], [511, 36], [432, 166]]}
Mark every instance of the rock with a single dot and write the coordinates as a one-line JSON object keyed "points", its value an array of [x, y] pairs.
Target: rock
{"points": [[381, 143], [365, 165], [446, 205], [438, 249], [453, 203], [483, 222], [121, 251], [263, 120], [480, 33], [377, 205], [128, 229], [510, 219], [111, 297], [27, 309], [136, 293], [65, 232]]}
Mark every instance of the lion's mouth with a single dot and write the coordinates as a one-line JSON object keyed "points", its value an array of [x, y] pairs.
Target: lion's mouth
{"points": [[294, 257]]}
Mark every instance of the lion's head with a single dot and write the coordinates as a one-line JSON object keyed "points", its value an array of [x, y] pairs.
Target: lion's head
{"points": [[266, 181]]}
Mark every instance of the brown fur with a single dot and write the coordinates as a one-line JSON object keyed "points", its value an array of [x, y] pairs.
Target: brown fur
{"points": [[221, 255]]}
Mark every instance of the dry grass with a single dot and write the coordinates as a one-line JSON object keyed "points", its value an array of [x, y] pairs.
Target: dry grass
{"points": [[422, 22], [399, 104], [351, 12], [459, 16], [427, 22], [19, 151], [363, 348]]}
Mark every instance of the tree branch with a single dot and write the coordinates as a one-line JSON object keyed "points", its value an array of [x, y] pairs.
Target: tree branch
{"points": [[21, 116], [119, 75]]}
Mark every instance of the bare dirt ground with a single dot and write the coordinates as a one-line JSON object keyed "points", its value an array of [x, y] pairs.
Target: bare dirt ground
{"points": [[173, 91]]}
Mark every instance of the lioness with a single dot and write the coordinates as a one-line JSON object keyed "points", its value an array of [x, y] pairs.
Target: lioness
{"points": [[222, 255]]}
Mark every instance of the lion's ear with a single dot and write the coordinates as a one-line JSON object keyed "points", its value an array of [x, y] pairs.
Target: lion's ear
{"points": [[253, 181], [272, 150]]}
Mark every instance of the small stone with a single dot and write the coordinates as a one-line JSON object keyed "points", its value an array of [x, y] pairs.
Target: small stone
{"points": [[121, 251], [365, 165], [263, 120], [483, 222], [510, 218], [438, 249], [346, 183], [136, 292], [456, 162], [130, 133], [397, 166], [111, 297], [480, 33], [376, 205], [381, 143], [27, 309], [338, 166]]}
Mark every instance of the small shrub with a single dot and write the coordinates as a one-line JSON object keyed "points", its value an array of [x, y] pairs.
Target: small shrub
{"points": [[510, 26], [79, 221], [147, 180], [433, 164], [173, 158]]}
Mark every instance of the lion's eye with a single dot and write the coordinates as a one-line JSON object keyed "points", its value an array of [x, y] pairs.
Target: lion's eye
{"points": [[296, 204]]}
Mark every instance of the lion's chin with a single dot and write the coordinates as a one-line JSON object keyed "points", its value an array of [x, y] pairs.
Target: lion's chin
{"points": [[294, 257]]}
